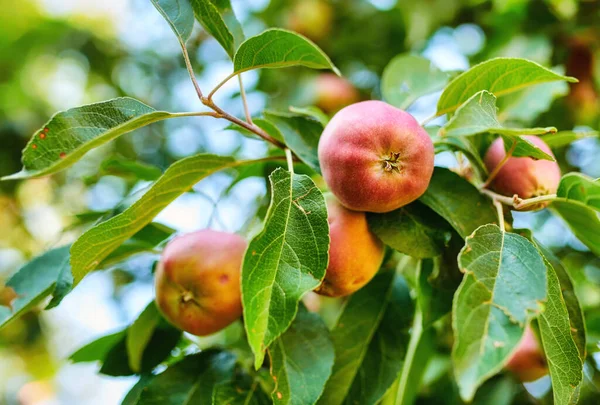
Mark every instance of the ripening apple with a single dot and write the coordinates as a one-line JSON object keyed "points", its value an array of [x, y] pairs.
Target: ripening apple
{"points": [[198, 281], [333, 92], [355, 253], [528, 362], [523, 176], [311, 18], [375, 157]]}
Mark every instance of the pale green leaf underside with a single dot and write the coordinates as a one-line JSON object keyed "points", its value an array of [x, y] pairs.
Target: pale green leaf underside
{"points": [[564, 138], [499, 76], [179, 15], [301, 360], [277, 48], [566, 367], [408, 77], [285, 260], [139, 334], [34, 282], [98, 242], [583, 221], [577, 187], [353, 334], [72, 133], [524, 148], [503, 287], [479, 115]]}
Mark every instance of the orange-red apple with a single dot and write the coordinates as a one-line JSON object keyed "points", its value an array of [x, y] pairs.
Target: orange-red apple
{"points": [[355, 253], [198, 281], [375, 157]]}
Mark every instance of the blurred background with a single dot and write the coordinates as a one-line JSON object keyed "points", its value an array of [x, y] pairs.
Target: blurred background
{"points": [[57, 54]]}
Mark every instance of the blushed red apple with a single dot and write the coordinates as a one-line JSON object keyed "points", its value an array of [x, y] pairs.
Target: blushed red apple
{"points": [[523, 176], [198, 281], [528, 362], [333, 92], [355, 253], [375, 157]]}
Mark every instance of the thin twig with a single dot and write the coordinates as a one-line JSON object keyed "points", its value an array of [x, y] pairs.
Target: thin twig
{"points": [[496, 170], [500, 212], [190, 69], [213, 91], [516, 202], [245, 101]]}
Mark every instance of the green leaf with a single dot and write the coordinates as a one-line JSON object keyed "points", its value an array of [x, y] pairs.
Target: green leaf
{"points": [[208, 15], [503, 288], [277, 48], [234, 26], [301, 135], [414, 230], [100, 241], [499, 76], [72, 133], [527, 104], [312, 112], [98, 349], [191, 381], [35, 281], [145, 240], [353, 336], [408, 77], [579, 188], [582, 220], [479, 115], [139, 335], [119, 166], [133, 396], [463, 145], [566, 367], [301, 360], [524, 148], [285, 260], [387, 350], [240, 391], [268, 126], [564, 138], [458, 202], [179, 15]]}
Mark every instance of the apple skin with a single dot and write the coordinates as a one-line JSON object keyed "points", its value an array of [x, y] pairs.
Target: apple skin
{"points": [[197, 281], [523, 176], [355, 253], [333, 93], [528, 362], [375, 157], [311, 18]]}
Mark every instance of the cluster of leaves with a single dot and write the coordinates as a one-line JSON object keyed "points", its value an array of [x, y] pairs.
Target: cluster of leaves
{"points": [[502, 281]]}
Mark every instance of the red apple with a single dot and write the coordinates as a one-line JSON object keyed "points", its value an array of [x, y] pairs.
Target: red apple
{"points": [[198, 281], [523, 176], [333, 93], [528, 362], [375, 157]]}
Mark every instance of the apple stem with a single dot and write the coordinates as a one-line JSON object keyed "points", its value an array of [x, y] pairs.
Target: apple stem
{"points": [[290, 160], [497, 169], [245, 101], [500, 212], [516, 202]]}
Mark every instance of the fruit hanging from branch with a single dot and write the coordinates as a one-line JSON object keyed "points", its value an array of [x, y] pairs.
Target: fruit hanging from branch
{"points": [[375, 157], [355, 253], [198, 281]]}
